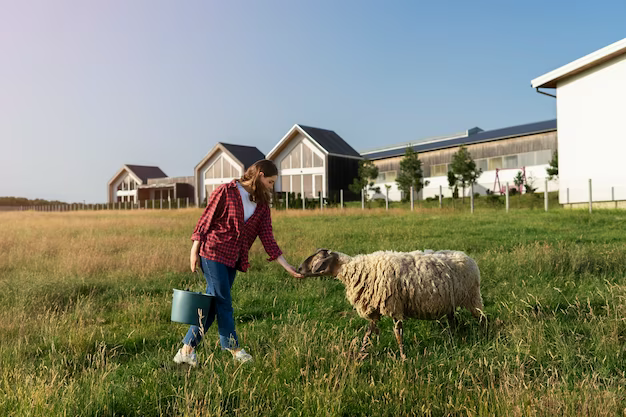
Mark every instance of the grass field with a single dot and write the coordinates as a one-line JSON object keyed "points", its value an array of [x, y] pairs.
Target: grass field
{"points": [[85, 329]]}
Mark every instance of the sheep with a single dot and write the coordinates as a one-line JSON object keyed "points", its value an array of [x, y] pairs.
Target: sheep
{"points": [[421, 285]]}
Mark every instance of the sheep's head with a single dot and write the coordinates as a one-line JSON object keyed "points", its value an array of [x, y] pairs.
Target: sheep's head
{"points": [[322, 262]]}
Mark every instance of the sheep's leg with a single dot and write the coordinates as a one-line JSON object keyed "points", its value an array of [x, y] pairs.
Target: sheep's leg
{"points": [[452, 321], [397, 329], [366, 339]]}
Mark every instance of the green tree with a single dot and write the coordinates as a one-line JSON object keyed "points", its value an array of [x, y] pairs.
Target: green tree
{"points": [[411, 174], [464, 169], [367, 174], [553, 169], [452, 185]]}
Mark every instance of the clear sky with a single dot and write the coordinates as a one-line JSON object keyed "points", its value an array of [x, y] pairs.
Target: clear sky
{"points": [[87, 86]]}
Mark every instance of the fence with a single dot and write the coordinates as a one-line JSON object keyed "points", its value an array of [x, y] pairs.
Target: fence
{"points": [[170, 204], [605, 197]]}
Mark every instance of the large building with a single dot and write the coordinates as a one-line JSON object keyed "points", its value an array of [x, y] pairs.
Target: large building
{"points": [[501, 154], [590, 104]]}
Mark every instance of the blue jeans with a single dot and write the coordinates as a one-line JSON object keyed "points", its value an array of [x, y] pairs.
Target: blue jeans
{"points": [[219, 280]]}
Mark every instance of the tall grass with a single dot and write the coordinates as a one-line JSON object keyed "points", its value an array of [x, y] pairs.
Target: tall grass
{"points": [[85, 330]]}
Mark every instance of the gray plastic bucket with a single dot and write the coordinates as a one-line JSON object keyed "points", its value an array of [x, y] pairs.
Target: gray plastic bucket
{"points": [[187, 306]]}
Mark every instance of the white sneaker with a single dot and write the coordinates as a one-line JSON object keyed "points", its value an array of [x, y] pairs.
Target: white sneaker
{"points": [[186, 358], [242, 356]]}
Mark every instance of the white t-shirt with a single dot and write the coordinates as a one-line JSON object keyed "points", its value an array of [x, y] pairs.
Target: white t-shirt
{"points": [[248, 206]]}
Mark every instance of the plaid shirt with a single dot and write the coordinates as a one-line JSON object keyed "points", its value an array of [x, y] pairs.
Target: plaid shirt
{"points": [[225, 237]]}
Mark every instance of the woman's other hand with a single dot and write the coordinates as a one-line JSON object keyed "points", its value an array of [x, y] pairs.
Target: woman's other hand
{"points": [[193, 256]]}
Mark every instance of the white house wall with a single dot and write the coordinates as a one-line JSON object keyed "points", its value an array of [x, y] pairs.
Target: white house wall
{"points": [[592, 133]]}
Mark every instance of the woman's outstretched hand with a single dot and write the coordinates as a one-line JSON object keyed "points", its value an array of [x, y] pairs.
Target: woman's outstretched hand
{"points": [[292, 271]]}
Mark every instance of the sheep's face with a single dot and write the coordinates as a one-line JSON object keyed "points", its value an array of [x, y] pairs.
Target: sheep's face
{"points": [[321, 263]]}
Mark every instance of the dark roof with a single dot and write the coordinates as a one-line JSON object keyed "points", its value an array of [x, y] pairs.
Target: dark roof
{"points": [[247, 155], [487, 136], [329, 140], [144, 172]]}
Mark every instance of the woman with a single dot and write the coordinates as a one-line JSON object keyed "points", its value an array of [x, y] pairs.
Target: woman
{"points": [[236, 214]]}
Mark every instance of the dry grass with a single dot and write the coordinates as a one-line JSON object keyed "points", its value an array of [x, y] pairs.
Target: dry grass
{"points": [[85, 330]]}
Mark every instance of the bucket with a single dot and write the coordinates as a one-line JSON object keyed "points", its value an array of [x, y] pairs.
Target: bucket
{"points": [[188, 306]]}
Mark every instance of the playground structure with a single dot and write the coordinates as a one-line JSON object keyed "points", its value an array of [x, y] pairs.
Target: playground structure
{"points": [[497, 187]]}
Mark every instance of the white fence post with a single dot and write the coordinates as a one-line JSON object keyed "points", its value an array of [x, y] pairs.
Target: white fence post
{"points": [[386, 198], [440, 197], [187, 206], [590, 197], [506, 198], [362, 200], [341, 198], [412, 201], [321, 202], [303, 202], [545, 196], [472, 197]]}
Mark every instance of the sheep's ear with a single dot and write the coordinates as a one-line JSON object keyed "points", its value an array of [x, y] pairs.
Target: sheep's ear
{"points": [[325, 264]]}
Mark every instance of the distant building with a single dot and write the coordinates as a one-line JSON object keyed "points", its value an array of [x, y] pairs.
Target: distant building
{"points": [[137, 183], [311, 161], [590, 104], [500, 153], [222, 164]]}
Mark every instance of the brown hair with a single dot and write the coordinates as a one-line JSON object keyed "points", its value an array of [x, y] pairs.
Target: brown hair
{"points": [[252, 179]]}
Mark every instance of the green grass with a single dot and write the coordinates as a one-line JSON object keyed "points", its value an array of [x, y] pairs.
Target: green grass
{"points": [[85, 330]]}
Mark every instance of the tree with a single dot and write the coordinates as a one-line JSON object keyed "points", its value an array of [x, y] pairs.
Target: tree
{"points": [[411, 173], [367, 174], [452, 185], [553, 169], [464, 169]]}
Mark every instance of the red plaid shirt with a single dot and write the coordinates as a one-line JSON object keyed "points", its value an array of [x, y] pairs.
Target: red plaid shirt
{"points": [[225, 237]]}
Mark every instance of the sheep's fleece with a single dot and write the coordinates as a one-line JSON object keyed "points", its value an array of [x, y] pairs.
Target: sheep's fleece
{"points": [[422, 285]]}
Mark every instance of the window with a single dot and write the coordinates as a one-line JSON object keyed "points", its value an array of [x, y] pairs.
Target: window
{"points": [[296, 157], [285, 183], [381, 177], [391, 175], [495, 163], [286, 162], [132, 184], [317, 161], [439, 170], [307, 156], [296, 186], [318, 185], [482, 164], [308, 185], [527, 159], [510, 161], [543, 157], [227, 168], [210, 173]]}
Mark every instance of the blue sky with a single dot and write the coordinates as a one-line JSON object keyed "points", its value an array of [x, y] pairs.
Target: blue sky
{"points": [[86, 87]]}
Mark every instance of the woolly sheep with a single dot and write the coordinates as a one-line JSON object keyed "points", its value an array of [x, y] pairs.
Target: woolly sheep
{"points": [[422, 285]]}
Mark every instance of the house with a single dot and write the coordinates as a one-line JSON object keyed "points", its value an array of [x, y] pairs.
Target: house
{"points": [[222, 164], [138, 183], [590, 103], [311, 161]]}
